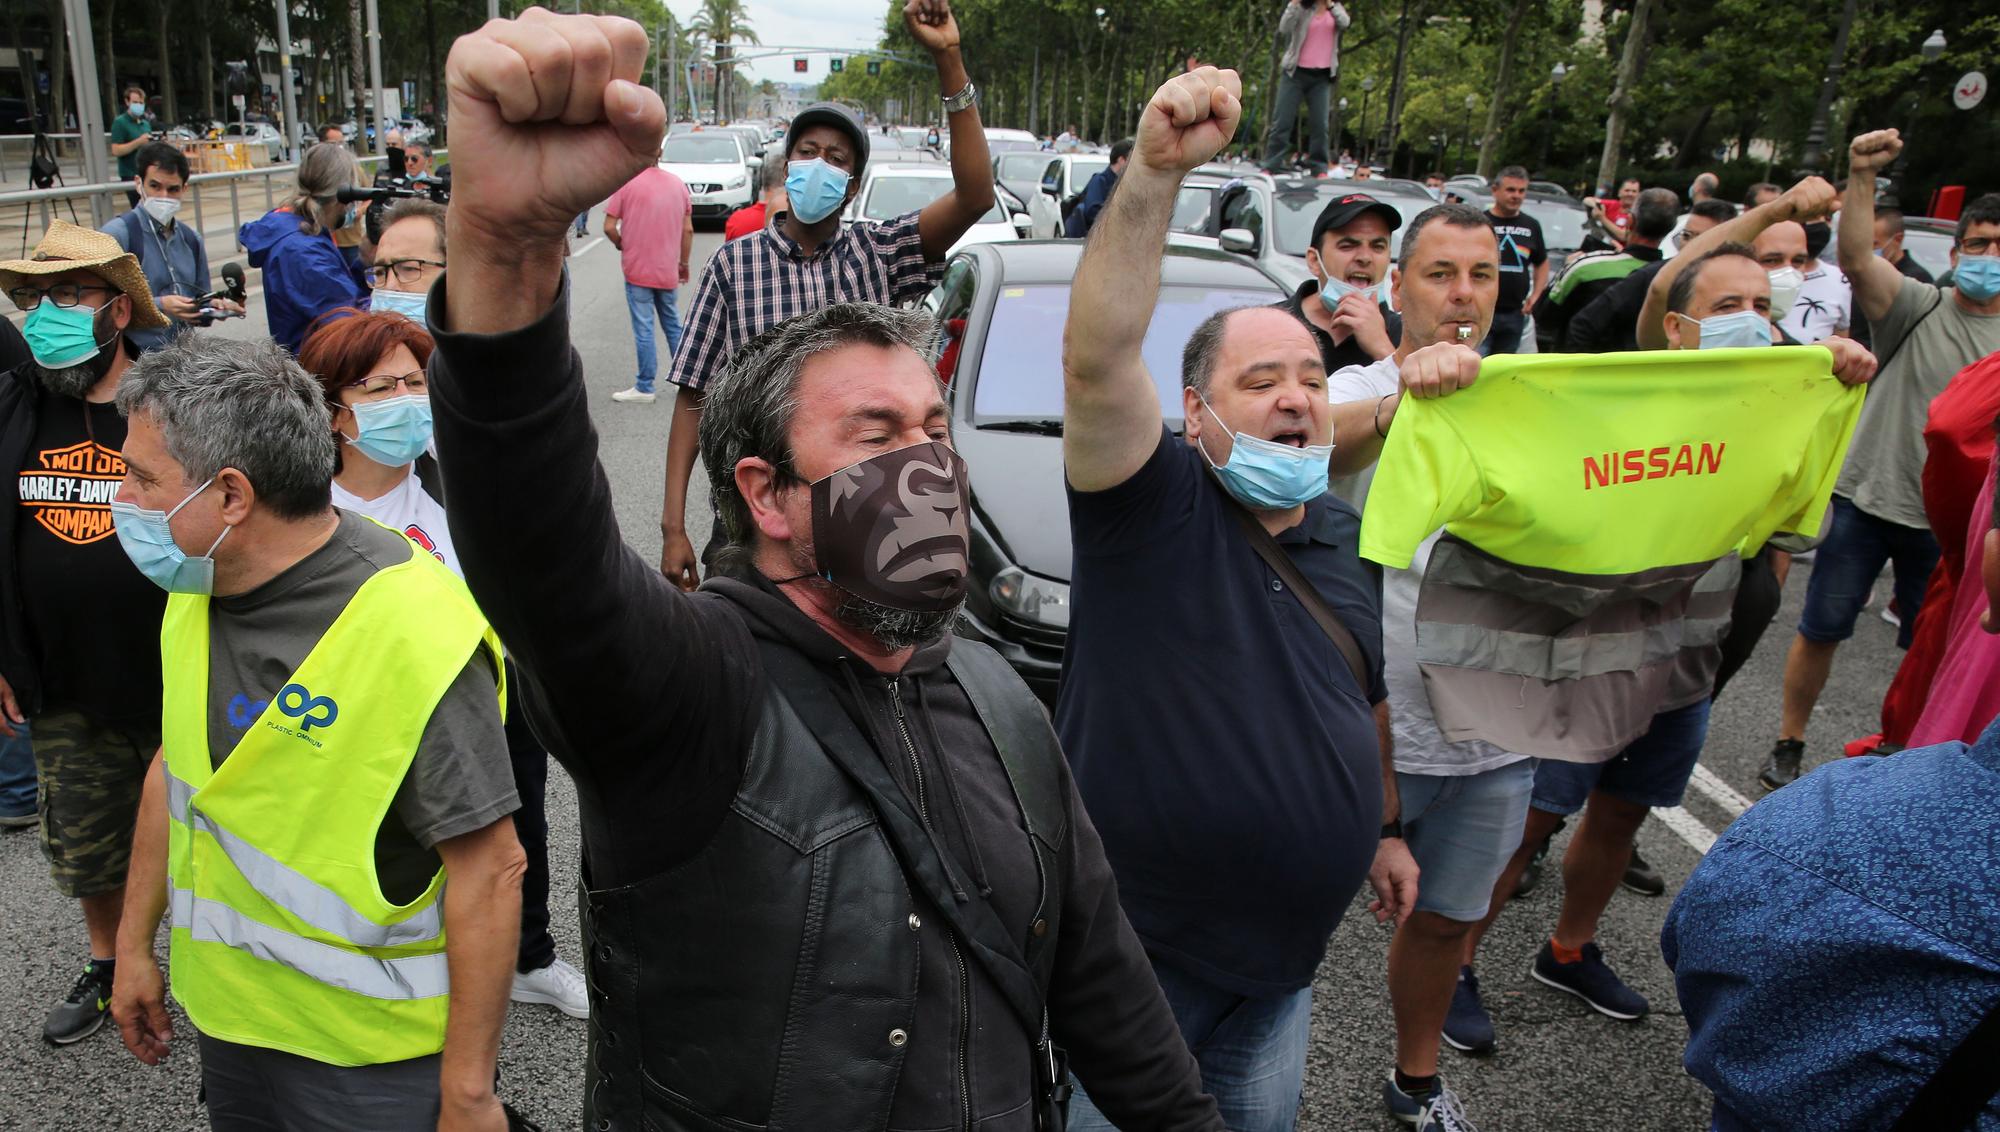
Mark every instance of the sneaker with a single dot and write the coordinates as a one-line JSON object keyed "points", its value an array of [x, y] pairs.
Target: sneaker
{"points": [[635, 396], [1781, 768], [1892, 615], [1591, 980], [558, 984], [1532, 875], [1467, 1027], [19, 821], [1643, 878], [83, 1011], [1437, 1110]]}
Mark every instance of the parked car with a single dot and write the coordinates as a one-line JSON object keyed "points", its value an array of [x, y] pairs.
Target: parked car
{"points": [[1064, 175], [1021, 171], [712, 164], [1001, 140], [890, 190], [1930, 242], [1270, 219], [1000, 308], [256, 133]]}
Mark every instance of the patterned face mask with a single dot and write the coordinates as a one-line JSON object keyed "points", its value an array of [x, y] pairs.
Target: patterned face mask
{"points": [[892, 529]]}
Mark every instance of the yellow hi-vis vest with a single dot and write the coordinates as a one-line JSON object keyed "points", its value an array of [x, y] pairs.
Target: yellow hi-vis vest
{"points": [[281, 935]]}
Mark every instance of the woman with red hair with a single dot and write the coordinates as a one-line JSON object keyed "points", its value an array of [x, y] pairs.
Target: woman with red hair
{"points": [[372, 369]]}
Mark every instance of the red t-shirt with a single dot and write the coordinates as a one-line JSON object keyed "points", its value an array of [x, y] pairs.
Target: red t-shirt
{"points": [[750, 218], [652, 210]]}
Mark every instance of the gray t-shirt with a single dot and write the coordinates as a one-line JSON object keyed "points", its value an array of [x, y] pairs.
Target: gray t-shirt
{"points": [[461, 780], [1420, 748], [1927, 337]]}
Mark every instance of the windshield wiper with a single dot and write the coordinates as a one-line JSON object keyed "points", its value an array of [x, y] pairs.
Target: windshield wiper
{"points": [[1048, 427]]}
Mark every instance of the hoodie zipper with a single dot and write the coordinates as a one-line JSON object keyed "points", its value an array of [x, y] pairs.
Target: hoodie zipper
{"points": [[957, 956]]}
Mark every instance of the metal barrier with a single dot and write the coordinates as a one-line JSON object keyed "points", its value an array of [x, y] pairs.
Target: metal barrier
{"points": [[46, 198], [67, 147]]}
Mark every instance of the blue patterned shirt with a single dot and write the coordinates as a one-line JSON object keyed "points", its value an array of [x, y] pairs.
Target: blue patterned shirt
{"points": [[1842, 938]]}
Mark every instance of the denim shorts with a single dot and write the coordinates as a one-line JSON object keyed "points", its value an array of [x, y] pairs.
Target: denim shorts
{"points": [[1856, 547], [1462, 829], [1653, 770]]}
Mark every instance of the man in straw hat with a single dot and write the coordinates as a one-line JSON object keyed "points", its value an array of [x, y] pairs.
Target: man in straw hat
{"points": [[79, 635]]}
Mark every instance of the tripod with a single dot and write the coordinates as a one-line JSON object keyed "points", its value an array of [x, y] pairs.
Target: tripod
{"points": [[44, 171]]}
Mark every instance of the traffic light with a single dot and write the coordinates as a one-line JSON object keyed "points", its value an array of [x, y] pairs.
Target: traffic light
{"points": [[874, 66], [799, 65], [836, 65]]}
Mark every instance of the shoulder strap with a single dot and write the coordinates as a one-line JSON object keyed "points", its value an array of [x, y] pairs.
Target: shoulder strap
{"points": [[1275, 557], [1936, 302], [1963, 1084]]}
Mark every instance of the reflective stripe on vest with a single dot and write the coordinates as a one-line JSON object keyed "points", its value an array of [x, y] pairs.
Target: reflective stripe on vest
{"points": [[411, 977]]}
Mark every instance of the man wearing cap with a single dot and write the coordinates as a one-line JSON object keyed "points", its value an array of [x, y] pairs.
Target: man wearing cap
{"points": [[79, 631], [1344, 302], [803, 260]]}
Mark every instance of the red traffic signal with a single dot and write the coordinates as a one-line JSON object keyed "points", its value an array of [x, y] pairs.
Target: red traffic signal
{"points": [[799, 65]]}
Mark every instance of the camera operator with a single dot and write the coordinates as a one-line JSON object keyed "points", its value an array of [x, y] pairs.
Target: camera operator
{"points": [[170, 253]]}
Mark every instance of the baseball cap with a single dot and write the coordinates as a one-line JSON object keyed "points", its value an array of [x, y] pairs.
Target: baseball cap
{"points": [[1342, 211], [835, 115]]}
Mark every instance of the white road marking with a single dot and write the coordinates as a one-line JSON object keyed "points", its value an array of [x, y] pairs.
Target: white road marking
{"points": [[585, 249], [1719, 792], [1688, 827]]}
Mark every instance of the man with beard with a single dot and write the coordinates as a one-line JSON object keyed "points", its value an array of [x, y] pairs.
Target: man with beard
{"points": [[79, 633], [836, 873]]}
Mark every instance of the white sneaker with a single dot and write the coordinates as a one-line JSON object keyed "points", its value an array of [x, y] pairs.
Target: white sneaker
{"points": [[633, 396], [558, 984]]}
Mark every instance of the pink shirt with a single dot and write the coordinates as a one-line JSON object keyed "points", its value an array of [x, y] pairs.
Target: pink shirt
{"points": [[652, 211], [1317, 50], [1965, 692]]}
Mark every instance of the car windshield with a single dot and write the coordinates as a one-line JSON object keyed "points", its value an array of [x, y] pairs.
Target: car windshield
{"points": [[1011, 145], [892, 196], [1023, 166], [1082, 169], [911, 136], [1931, 250], [1562, 225], [1295, 214], [1191, 208], [1020, 374], [697, 149]]}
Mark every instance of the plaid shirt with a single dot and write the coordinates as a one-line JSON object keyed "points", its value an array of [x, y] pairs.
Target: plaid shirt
{"points": [[755, 283]]}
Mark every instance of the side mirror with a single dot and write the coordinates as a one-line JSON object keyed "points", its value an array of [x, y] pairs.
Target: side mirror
{"points": [[1238, 240], [1050, 188], [1023, 224]]}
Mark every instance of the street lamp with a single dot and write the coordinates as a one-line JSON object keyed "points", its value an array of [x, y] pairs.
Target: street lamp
{"points": [[1932, 48], [1465, 130], [1556, 76], [1367, 86]]}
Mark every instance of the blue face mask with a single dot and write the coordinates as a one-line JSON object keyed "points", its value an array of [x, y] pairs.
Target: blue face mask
{"points": [[1734, 331], [392, 432], [409, 304], [137, 109], [59, 337], [1268, 476], [815, 189], [1977, 277], [148, 539], [1332, 290]]}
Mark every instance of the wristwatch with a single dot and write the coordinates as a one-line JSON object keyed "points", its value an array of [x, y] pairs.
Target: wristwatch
{"points": [[1393, 829], [963, 100]]}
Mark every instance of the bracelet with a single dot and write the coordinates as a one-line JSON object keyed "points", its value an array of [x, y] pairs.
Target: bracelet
{"points": [[1378, 416], [963, 100]]}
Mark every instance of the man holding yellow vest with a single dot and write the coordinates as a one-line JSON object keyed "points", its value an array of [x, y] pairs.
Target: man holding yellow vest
{"points": [[332, 755]]}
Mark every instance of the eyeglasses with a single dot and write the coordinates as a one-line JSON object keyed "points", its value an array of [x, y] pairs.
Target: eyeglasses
{"points": [[1979, 245], [405, 271], [378, 384], [61, 294]]}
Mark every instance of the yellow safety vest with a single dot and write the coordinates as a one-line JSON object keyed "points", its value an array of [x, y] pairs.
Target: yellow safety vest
{"points": [[281, 935]]}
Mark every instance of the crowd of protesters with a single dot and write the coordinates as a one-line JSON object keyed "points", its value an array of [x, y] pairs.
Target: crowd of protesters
{"points": [[288, 696]]}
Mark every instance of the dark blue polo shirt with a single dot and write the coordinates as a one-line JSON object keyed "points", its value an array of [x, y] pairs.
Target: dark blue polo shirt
{"points": [[1218, 738]]}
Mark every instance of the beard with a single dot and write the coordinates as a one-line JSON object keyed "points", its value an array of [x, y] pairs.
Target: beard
{"points": [[894, 628], [74, 381]]}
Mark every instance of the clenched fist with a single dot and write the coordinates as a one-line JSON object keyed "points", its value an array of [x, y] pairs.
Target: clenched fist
{"points": [[548, 118], [1439, 369], [1188, 120], [1809, 200], [1872, 152]]}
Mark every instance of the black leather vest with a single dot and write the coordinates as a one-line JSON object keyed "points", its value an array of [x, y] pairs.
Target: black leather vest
{"points": [[769, 982]]}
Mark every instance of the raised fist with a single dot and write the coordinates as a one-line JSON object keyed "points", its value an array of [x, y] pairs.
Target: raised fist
{"points": [[1809, 200], [931, 24], [548, 118], [1188, 120], [1872, 152]]}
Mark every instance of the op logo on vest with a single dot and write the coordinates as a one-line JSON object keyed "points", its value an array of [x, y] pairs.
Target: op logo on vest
{"points": [[311, 711]]}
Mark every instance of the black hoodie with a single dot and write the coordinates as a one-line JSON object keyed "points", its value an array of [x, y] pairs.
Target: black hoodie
{"points": [[649, 698]]}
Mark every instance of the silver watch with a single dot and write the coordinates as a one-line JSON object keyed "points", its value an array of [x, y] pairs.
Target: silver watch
{"points": [[964, 100]]}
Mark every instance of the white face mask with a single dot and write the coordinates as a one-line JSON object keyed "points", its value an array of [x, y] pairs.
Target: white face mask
{"points": [[1786, 283], [161, 209]]}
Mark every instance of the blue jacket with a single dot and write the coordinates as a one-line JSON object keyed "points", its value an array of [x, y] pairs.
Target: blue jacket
{"points": [[173, 261], [1842, 938], [1095, 194], [304, 276]]}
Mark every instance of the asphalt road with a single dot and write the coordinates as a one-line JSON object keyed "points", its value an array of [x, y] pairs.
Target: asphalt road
{"points": [[1559, 1067]]}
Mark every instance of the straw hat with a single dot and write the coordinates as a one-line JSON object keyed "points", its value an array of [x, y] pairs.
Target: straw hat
{"points": [[67, 247]]}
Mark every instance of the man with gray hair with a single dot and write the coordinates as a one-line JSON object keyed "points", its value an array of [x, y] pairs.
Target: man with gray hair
{"points": [[331, 756], [823, 840]]}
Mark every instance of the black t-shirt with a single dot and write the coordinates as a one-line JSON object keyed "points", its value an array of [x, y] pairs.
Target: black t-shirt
{"points": [[1337, 356], [93, 618], [1522, 249], [1218, 739]]}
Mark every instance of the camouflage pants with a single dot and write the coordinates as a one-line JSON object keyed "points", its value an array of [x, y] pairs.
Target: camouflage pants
{"points": [[91, 777]]}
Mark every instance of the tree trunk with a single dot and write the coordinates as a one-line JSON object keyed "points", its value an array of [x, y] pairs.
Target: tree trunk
{"points": [[1034, 88], [1629, 64], [1690, 150], [58, 56], [1110, 80], [1262, 130], [357, 71], [170, 103], [108, 66], [1489, 140], [1815, 152], [208, 64], [1393, 124]]}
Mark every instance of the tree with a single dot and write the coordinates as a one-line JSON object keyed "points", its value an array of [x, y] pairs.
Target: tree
{"points": [[723, 23], [1629, 62], [1489, 147]]}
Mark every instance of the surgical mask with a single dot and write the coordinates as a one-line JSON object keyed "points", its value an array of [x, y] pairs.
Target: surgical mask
{"points": [[148, 539], [409, 304], [394, 431], [1785, 285], [161, 209], [815, 189], [1269, 476], [1734, 331], [137, 109], [1977, 277], [1332, 290], [346, 218], [892, 529], [60, 337]]}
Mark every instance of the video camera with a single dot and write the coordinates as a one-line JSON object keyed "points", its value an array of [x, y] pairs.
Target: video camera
{"points": [[233, 288], [391, 184]]}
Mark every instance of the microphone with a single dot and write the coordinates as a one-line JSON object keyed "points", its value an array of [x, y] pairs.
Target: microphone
{"points": [[233, 281]]}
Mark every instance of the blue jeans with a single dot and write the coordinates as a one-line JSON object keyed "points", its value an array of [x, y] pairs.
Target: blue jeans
{"points": [[1856, 547], [1252, 1053], [642, 302], [1314, 88], [1505, 335], [17, 774], [1461, 829]]}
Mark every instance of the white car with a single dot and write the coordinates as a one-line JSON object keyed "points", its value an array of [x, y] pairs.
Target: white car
{"points": [[889, 191], [1000, 140], [1066, 175], [712, 164]]}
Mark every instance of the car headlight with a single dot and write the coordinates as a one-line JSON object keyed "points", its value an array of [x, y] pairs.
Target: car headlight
{"points": [[737, 181], [1031, 598]]}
